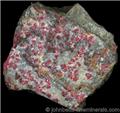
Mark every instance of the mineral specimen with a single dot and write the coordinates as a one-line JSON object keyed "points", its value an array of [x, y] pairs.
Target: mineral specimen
{"points": [[59, 53]]}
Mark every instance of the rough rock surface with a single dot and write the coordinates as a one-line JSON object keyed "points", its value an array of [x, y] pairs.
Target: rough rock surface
{"points": [[60, 54]]}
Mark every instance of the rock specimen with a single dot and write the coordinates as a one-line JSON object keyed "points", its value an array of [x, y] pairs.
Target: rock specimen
{"points": [[59, 53]]}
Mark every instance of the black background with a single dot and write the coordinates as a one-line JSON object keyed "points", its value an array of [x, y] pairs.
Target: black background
{"points": [[108, 96]]}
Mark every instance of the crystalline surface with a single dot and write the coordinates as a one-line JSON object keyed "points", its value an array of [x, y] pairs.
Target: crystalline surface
{"points": [[61, 56]]}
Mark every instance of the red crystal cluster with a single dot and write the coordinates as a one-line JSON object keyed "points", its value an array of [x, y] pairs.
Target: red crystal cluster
{"points": [[56, 58]]}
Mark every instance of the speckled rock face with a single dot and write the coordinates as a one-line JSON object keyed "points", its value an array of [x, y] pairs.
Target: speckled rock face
{"points": [[61, 56]]}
